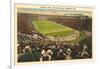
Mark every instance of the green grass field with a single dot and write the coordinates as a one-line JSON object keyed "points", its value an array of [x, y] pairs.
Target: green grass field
{"points": [[52, 28]]}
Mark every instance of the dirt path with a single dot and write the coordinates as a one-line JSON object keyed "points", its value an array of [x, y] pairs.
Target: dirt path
{"points": [[66, 38]]}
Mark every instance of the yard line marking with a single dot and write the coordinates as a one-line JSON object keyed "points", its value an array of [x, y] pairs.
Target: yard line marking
{"points": [[35, 26]]}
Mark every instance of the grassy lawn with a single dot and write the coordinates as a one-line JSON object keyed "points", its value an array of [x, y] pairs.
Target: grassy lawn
{"points": [[51, 28]]}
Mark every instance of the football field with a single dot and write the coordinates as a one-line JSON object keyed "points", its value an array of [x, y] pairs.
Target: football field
{"points": [[51, 28]]}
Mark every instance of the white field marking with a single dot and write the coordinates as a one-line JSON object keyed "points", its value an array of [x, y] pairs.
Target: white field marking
{"points": [[35, 26]]}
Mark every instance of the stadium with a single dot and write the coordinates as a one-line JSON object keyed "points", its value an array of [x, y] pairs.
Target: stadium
{"points": [[52, 37]]}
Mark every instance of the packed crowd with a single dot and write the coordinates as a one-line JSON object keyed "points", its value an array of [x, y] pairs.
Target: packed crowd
{"points": [[37, 48]]}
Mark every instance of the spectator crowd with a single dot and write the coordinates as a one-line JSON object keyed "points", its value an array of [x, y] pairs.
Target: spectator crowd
{"points": [[36, 47]]}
